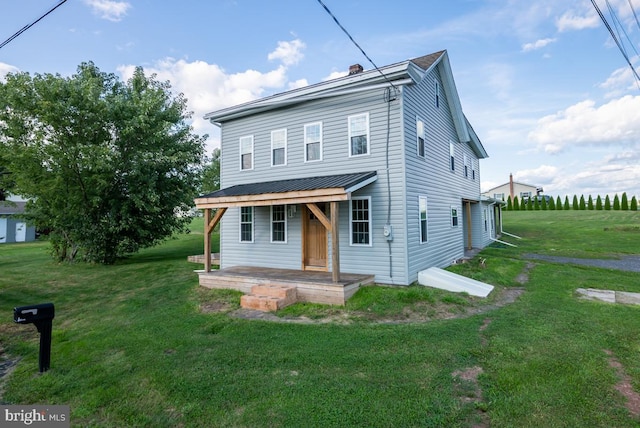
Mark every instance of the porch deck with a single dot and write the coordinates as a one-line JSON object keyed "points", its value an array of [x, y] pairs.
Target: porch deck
{"points": [[312, 286]]}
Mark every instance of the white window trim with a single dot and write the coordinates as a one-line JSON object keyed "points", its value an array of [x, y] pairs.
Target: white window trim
{"points": [[253, 225], [426, 207], [286, 235], [285, 147], [466, 166], [424, 139], [305, 142], [241, 153], [457, 216], [351, 243], [366, 115]]}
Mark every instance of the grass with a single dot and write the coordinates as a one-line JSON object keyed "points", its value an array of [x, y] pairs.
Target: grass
{"points": [[132, 345]]}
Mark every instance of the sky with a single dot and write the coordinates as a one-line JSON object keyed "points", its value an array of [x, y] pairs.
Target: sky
{"points": [[543, 83]]}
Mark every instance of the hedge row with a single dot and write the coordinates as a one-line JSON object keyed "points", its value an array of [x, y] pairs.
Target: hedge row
{"points": [[578, 204]]}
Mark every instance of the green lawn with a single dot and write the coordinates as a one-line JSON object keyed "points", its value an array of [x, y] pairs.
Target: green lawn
{"points": [[132, 347]]}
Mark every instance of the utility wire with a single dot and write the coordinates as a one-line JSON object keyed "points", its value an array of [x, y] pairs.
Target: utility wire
{"points": [[26, 27], [634, 13], [356, 43], [615, 39]]}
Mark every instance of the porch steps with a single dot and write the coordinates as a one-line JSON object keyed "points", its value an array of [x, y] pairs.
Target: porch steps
{"points": [[269, 297]]}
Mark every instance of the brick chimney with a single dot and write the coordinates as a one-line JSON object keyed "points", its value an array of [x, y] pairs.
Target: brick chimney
{"points": [[355, 69], [511, 186]]}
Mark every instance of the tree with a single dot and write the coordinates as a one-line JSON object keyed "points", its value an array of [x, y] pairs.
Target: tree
{"points": [[566, 203], [624, 204], [583, 205], [543, 203], [590, 203], [516, 204], [211, 174], [558, 203], [616, 202], [552, 204], [599, 203], [575, 205], [107, 164], [607, 203], [634, 204], [523, 204]]}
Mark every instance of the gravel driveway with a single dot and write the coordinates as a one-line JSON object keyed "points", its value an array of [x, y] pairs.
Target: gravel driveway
{"points": [[627, 263]]}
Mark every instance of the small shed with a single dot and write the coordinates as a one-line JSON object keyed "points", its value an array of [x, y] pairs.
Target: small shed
{"points": [[13, 226]]}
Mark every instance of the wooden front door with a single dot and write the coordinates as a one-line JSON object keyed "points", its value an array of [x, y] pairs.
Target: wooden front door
{"points": [[314, 241]]}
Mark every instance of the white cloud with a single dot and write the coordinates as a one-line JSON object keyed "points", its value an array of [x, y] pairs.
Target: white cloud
{"points": [[620, 82], [300, 83], [572, 20], [538, 44], [540, 175], [109, 9], [6, 69], [335, 75], [616, 123], [290, 53]]}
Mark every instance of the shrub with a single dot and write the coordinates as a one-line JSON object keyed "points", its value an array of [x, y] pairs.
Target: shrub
{"points": [[566, 203], [558, 203], [607, 203], [590, 203], [616, 203], [599, 203], [634, 204], [583, 206], [624, 205]]}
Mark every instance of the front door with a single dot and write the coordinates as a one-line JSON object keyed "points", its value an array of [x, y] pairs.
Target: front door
{"points": [[314, 241]]}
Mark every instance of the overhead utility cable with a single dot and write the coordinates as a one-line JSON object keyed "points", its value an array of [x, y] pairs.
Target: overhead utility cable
{"points": [[635, 15], [26, 27], [615, 39], [356, 43]]}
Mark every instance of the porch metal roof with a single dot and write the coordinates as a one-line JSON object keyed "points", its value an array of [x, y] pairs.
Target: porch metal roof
{"points": [[292, 191]]}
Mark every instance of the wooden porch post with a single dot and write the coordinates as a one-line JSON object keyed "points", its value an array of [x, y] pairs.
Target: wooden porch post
{"points": [[335, 243], [207, 240]]}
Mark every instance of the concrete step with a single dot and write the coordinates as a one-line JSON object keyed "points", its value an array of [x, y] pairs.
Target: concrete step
{"points": [[274, 290]]}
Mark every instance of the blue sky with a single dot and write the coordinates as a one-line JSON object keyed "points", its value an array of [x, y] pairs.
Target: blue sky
{"points": [[543, 84]]}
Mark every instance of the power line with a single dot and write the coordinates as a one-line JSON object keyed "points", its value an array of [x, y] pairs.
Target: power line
{"points": [[634, 13], [615, 39], [356, 43], [26, 27]]}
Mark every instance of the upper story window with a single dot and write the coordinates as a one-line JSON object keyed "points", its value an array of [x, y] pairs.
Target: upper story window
{"points": [[437, 88], [527, 194], [420, 137], [246, 224], [452, 156], [313, 142], [279, 147], [466, 165], [422, 212], [473, 169], [278, 223], [246, 152], [360, 221], [359, 134]]}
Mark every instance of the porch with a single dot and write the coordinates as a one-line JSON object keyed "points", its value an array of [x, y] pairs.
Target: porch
{"points": [[310, 286]]}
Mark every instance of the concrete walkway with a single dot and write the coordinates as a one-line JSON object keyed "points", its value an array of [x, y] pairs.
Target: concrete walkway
{"points": [[609, 296]]}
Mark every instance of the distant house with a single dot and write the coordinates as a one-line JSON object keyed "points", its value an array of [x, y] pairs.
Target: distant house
{"points": [[513, 189], [13, 228], [374, 173]]}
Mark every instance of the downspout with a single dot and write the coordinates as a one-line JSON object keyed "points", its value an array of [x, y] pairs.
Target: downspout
{"points": [[388, 97]]}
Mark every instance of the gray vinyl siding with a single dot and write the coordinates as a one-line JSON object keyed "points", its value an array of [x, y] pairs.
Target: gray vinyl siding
{"points": [[431, 177], [333, 113]]}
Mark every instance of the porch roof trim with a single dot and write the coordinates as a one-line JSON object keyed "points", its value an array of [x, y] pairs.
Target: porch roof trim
{"points": [[284, 192]]}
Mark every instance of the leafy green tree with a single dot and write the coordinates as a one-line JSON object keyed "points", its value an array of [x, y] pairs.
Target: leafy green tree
{"points": [[530, 203], [624, 204], [607, 203], [107, 164], [590, 203], [523, 204], [536, 203], [509, 204], [552, 204], [575, 205], [211, 174], [543, 203], [599, 203], [558, 203], [566, 203], [583, 205], [634, 204], [616, 202], [516, 204]]}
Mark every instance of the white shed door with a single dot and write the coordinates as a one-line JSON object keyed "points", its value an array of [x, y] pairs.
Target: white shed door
{"points": [[21, 232]]}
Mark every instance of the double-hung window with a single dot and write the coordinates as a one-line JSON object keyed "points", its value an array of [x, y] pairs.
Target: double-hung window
{"points": [[246, 224], [473, 169], [278, 223], [246, 152], [420, 137], [466, 165], [313, 142], [454, 216], [422, 212], [437, 90], [360, 221], [279, 147], [359, 134]]}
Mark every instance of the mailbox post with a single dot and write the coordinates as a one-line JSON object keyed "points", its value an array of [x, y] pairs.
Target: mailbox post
{"points": [[42, 316]]}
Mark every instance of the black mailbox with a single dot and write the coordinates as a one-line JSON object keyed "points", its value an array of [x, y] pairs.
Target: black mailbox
{"points": [[42, 316], [32, 314]]}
